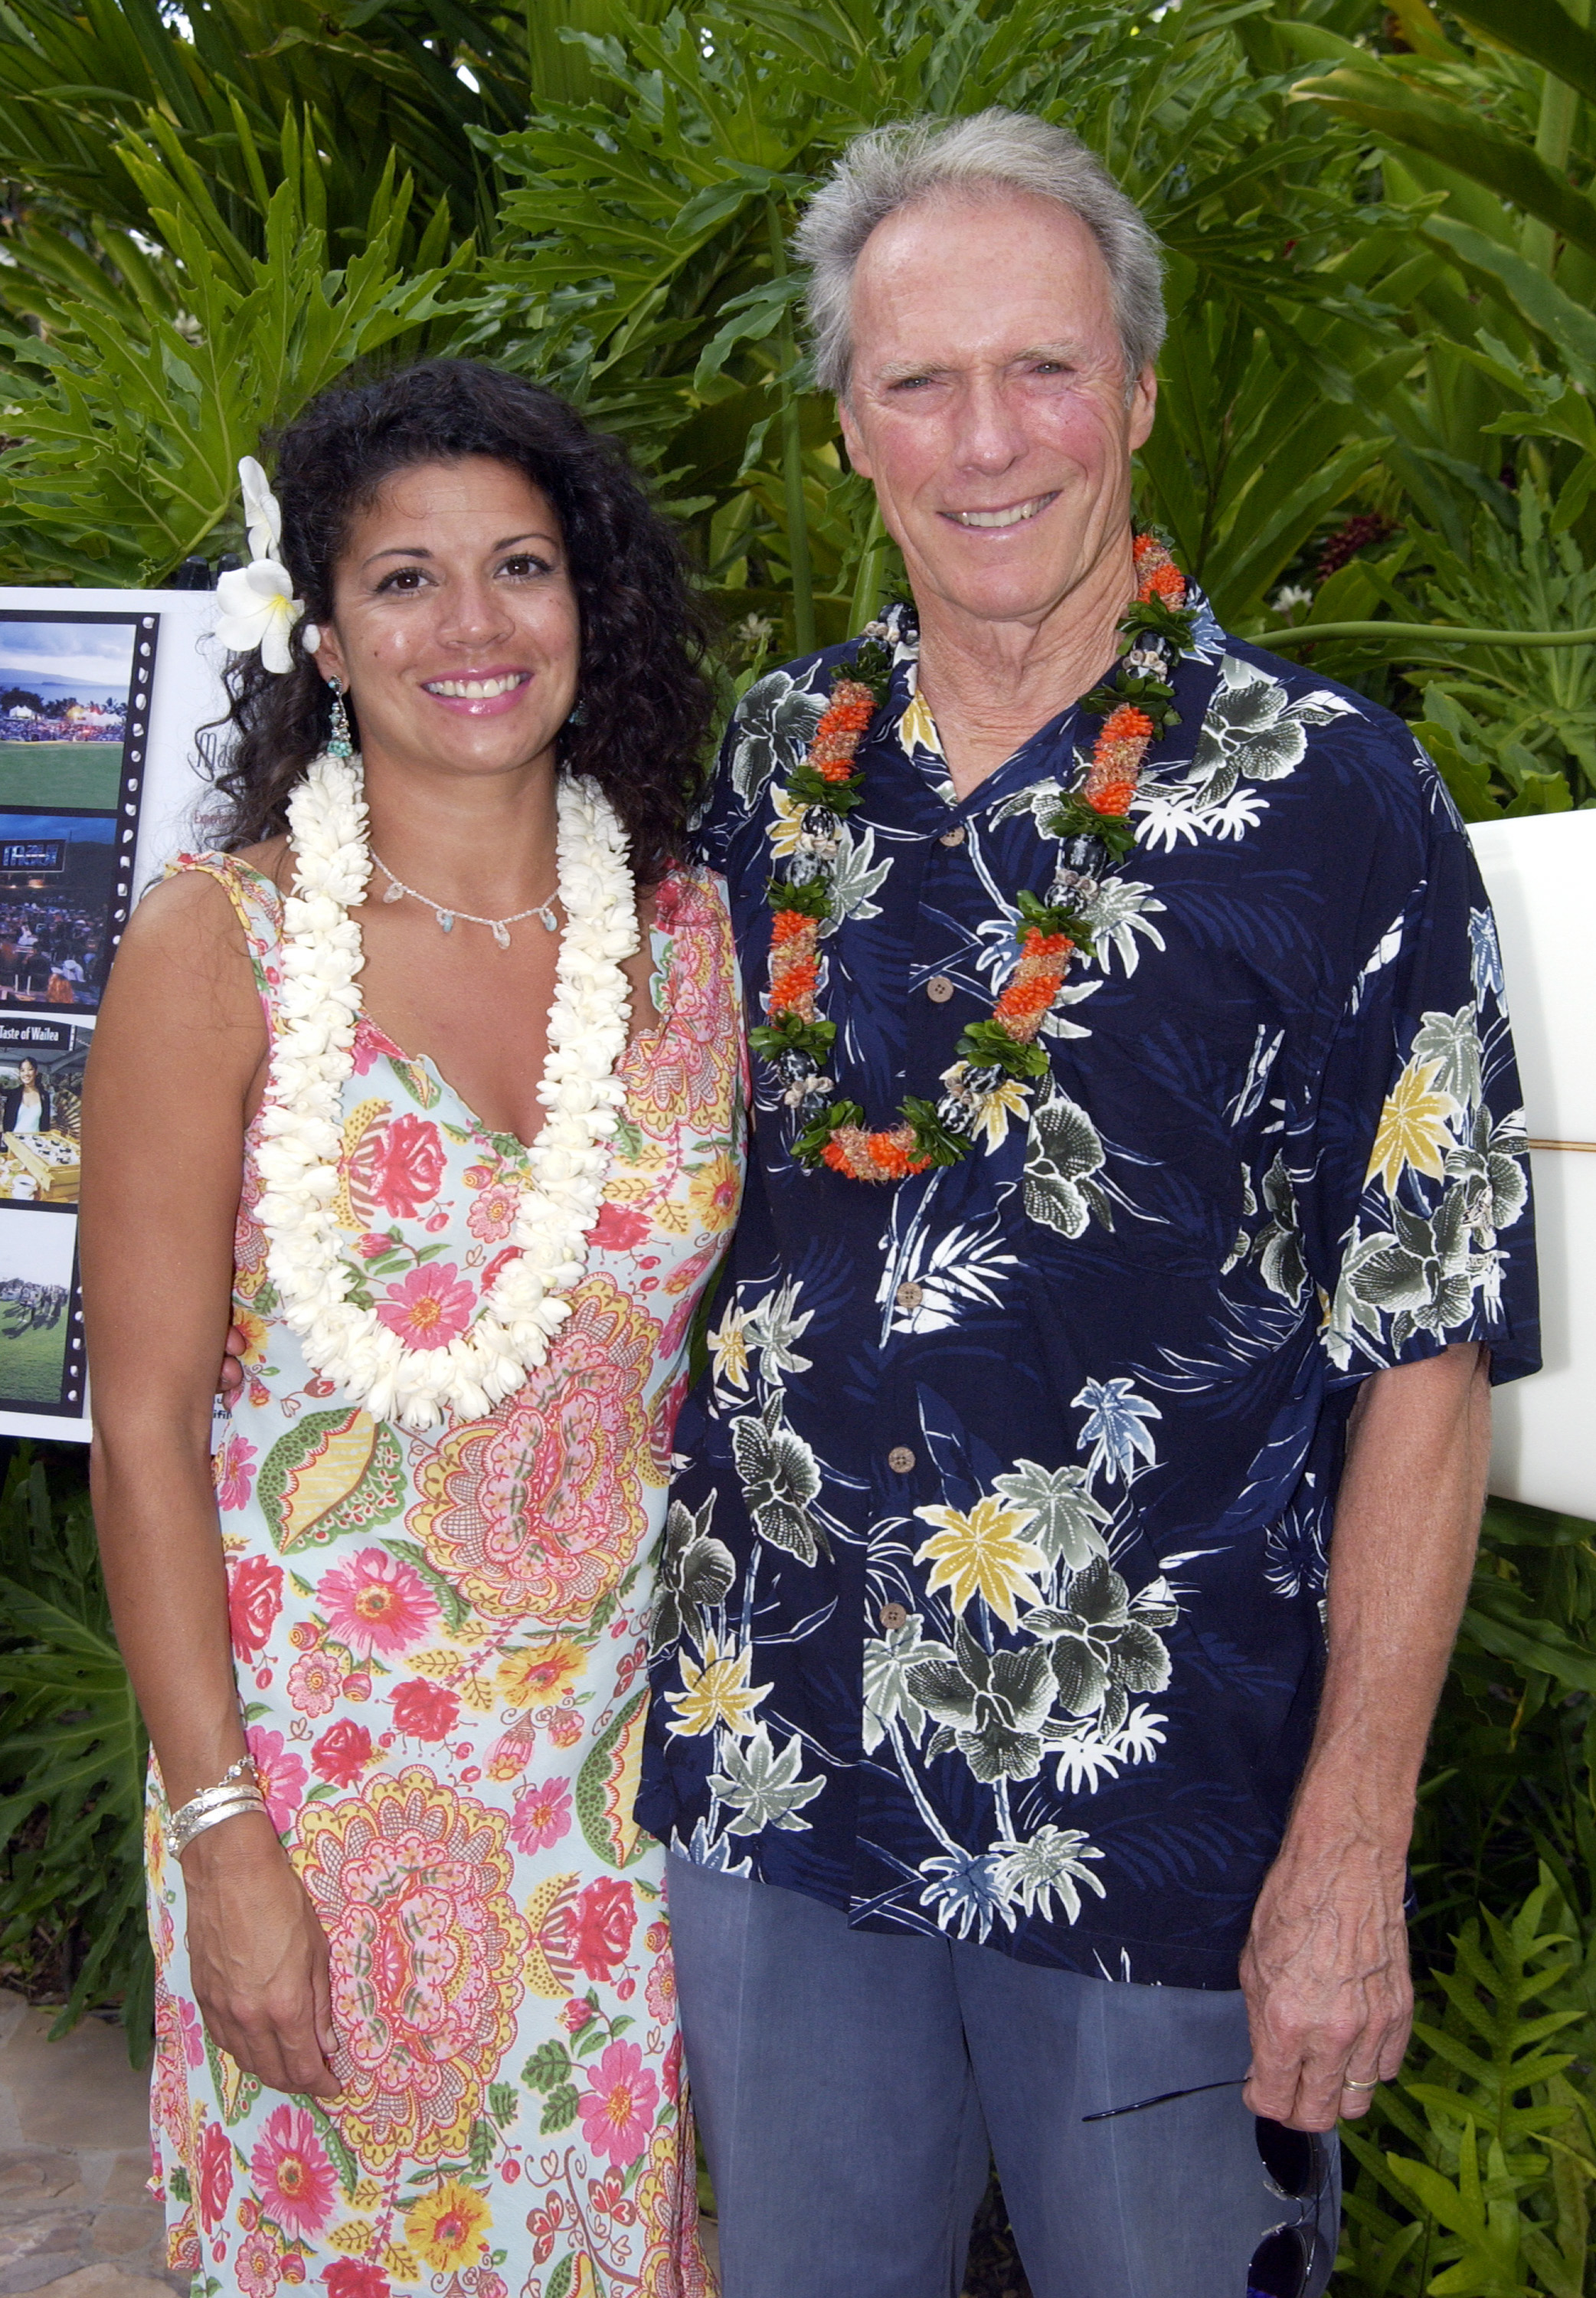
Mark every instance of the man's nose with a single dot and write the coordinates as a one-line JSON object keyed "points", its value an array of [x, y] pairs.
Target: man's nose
{"points": [[990, 436]]}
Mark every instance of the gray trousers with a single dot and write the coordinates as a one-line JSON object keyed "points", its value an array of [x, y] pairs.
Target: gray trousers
{"points": [[849, 2086]]}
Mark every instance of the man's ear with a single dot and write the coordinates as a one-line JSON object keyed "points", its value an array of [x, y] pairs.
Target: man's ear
{"points": [[1143, 406], [852, 441]]}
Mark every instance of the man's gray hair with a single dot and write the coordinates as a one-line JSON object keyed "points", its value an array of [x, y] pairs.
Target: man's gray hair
{"points": [[995, 151]]}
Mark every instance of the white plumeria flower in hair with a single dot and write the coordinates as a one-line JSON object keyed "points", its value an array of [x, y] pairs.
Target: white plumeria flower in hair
{"points": [[262, 519], [258, 609], [257, 605]]}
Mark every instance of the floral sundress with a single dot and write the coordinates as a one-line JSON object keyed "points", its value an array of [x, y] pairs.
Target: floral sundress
{"points": [[439, 1645]]}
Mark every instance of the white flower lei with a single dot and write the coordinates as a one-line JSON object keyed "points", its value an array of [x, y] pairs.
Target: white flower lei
{"points": [[318, 1005]]}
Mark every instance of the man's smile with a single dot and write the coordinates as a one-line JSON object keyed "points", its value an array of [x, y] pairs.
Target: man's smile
{"points": [[1011, 515]]}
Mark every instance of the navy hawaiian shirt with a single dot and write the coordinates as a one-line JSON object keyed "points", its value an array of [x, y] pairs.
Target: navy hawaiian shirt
{"points": [[991, 1597]]}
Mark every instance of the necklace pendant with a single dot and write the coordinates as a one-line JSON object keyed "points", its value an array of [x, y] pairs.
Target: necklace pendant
{"points": [[551, 922], [446, 920], [395, 892], [502, 933]]}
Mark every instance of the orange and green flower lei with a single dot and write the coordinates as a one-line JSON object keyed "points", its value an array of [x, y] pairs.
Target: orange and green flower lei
{"points": [[1091, 820]]}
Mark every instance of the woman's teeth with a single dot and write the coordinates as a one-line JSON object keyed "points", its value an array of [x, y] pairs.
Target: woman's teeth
{"points": [[475, 689]]}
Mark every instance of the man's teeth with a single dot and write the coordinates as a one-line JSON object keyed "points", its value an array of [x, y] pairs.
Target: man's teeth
{"points": [[474, 689], [1003, 517]]}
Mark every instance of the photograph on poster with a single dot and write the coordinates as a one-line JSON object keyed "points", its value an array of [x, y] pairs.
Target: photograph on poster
{"points": [[41, 1098], [58, 878], [102, 694], [65, 682], [37, 1251]]}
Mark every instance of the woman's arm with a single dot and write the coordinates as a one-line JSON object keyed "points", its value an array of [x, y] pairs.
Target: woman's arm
{"points": [[178, 1061]]}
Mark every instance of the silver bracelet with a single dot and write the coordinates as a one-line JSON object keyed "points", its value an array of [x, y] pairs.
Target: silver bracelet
{"points": [[237, 1790], [243, 1799]]}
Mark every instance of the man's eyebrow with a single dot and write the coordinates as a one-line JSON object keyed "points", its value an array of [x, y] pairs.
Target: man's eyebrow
{"points": [[900, 370], [420, 550]]}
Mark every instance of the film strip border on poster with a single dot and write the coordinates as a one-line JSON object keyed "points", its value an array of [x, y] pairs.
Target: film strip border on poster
{"points": [[136, 743], [64, 1028]]}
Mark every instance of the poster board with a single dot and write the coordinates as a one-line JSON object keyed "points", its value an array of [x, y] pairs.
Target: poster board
{"points": [[102, 693], [1538, 872]]}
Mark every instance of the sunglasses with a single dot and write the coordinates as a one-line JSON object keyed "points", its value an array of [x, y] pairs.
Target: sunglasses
{"points": [[1296, 2166]]}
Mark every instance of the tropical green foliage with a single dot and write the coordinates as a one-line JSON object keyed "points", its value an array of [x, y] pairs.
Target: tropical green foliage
{"points": [[1473, 2172], [71, 1758], [1381, 258]]}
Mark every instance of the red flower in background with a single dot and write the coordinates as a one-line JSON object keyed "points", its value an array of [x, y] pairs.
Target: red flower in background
{"points": [[411, 1166], [216, 2174], [601, 1925], [618, 1228], [342, 1753], [351, 2278], [254, 1599], [425, 1711]]}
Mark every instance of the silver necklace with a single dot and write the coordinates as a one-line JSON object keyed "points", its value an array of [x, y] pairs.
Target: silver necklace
{"points": [[497, 927]]}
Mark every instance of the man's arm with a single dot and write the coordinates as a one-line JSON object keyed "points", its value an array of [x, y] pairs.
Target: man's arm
{"points": [[1325, 1971]]}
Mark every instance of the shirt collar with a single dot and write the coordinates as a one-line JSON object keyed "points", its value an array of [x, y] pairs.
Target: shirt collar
{"points": [[1049, 751]]}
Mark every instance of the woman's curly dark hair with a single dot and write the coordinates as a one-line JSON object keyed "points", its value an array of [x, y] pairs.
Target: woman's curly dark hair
{"points": [[644, 701]]}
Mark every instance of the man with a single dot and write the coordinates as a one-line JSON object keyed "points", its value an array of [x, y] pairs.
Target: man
{"points": [[1120, 1214]]}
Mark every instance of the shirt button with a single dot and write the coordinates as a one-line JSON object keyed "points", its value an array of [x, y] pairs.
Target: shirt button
{"points": [[909, 1295], [952, 837], [938, 989], [900, 1459], [893, 1616]]}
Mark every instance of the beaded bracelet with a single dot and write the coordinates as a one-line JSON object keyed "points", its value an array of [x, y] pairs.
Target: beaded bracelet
{"points": [[237, 1790]]}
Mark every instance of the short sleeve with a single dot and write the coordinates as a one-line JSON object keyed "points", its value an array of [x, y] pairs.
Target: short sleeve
{"points": [[1418, 1225], [770, 731], [712, 825]]}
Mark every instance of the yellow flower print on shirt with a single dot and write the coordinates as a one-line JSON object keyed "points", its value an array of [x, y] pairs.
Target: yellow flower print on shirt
{"points": [[786, 823], [729, 1346], [917, 729], [446, 2228], [1009, 1098], [718, 1692], [981, 1554], [1415, 1128], [713, 1191], [542, 1673]]}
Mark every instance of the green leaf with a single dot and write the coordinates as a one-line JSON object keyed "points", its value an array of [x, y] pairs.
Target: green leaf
{"points": [[549, 2065], [988, 1045], [559, 2109], [1541, 30], [1568, 325]]}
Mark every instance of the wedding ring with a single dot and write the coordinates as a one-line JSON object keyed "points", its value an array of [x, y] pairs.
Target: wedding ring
{"points": [[1348, 2084]]}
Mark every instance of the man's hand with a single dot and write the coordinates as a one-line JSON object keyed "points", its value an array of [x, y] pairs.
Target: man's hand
{"points": [[229, 1380], [1325, 1973]]}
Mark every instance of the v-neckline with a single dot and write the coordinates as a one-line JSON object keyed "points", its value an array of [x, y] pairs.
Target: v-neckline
{"points": [[392, 1051]]}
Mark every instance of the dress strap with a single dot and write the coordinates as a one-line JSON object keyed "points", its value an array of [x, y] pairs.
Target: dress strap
{"points": [[258, 907], [702, 979]]}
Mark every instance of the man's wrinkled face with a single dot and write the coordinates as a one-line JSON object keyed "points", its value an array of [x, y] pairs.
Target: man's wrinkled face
{"points": [[988, 401]]}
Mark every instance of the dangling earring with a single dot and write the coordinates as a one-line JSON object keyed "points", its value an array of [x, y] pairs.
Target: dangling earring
{"points": [[578, 716], [338, 742]]}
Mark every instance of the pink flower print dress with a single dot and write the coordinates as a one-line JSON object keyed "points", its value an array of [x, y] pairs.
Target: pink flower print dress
{"points": [[440, 1644]]}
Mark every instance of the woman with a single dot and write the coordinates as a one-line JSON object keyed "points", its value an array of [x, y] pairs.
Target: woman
{"points": [[25, 1108], [471, 1097]]}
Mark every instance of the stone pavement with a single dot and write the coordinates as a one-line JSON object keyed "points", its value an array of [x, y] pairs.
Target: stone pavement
{"points": [[75, 2220]]}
